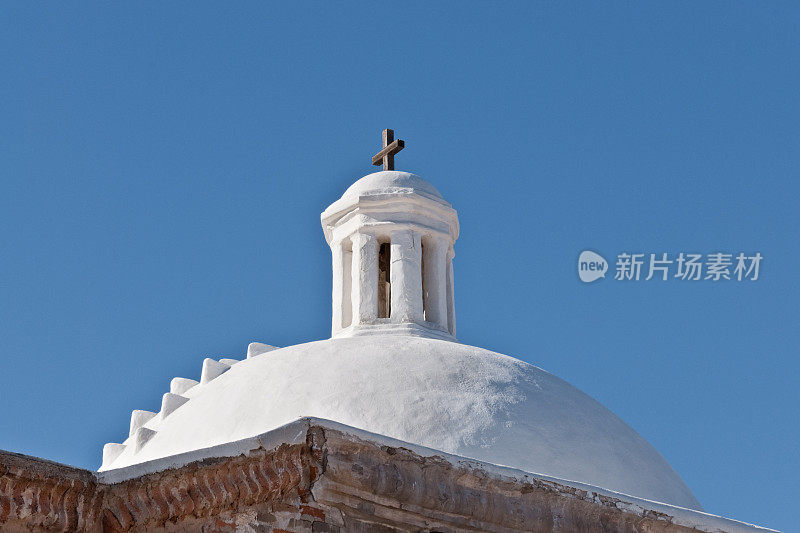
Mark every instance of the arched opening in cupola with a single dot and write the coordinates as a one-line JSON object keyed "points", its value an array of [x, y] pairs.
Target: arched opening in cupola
{"points": [[384, 281]]}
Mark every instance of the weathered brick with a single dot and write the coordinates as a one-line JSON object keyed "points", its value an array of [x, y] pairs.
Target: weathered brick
{"points": [[322, 527], [332, 482]]}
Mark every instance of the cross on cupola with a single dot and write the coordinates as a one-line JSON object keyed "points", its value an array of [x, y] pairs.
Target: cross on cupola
{"points": [[390, 148]]}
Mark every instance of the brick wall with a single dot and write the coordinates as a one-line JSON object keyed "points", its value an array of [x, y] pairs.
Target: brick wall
{"points": [[332, 482]]}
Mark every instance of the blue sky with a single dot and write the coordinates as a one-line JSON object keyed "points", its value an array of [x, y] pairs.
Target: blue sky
{"points": [[163, 167]]}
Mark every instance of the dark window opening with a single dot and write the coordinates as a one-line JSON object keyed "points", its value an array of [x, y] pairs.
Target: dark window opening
{"points": [[384, 281]]}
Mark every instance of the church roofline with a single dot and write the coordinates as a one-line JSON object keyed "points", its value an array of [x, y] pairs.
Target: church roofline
{"points": [[299, 431]]}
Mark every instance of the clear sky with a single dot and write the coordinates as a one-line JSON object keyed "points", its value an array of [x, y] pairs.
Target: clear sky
{"points": [[163, 167]]}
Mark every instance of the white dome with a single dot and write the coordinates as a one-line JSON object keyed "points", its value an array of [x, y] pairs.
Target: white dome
{"points": [[451, 397], [391, 182]]}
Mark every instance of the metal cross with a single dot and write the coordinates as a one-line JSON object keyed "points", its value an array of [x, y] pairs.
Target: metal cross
{"points": [[390, 147]]}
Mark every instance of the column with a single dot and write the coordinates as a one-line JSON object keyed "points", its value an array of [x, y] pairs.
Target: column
{"points": [[337, 295], [406, 276], [435, 280], [364, 278], [451, 304]]}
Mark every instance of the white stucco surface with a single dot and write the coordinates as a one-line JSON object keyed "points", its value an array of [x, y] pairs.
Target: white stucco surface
{"points": [[459, 399], [391, 181], [409, 215]]}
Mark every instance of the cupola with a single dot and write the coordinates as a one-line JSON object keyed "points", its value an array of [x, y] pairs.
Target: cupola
{"points": [[391, 236]]}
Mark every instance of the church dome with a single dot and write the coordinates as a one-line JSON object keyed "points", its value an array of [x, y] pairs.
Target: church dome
{"points": [[393, 366], [439, 394]]}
